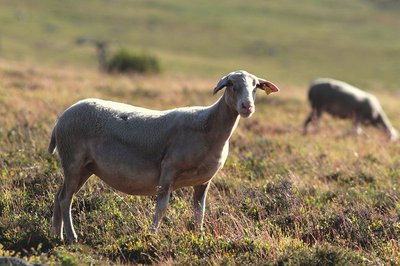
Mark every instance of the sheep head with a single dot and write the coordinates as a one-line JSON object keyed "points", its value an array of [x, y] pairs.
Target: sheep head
{"points": [[241, 89]]}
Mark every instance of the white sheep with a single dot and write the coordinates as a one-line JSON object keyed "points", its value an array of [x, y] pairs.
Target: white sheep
{"points": [[146, 152], [345, 101]]}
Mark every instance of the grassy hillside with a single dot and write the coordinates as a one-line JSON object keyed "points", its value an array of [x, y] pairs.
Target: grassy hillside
{"points": [[354, 40], [282, 198]]}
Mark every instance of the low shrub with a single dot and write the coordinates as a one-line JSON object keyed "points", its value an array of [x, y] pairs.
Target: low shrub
{"points": [[124, 61]]}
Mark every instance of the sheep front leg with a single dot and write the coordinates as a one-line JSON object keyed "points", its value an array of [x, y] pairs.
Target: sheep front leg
{"points": [[306, 122], [161, 208], [199, 204], [161, 205], [313, 117]]}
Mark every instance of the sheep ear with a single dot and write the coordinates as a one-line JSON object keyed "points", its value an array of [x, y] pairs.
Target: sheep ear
{"points": [[221, 84], [267, 86]]}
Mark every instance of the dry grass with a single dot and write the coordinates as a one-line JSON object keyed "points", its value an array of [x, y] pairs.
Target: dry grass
{"points": [[282, 198]]}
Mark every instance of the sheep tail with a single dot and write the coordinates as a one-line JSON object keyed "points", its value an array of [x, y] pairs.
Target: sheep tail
{"points": [[53, 144]]}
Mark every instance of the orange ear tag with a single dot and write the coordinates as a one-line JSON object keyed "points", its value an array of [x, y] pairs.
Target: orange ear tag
{"points": [[268, 90]]}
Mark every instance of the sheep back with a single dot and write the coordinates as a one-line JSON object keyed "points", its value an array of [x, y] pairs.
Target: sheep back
{"points": [[146, 129]]}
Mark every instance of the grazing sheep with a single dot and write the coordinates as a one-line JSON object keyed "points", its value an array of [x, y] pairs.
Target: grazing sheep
{"points": [[345, 101], [146, 152]]}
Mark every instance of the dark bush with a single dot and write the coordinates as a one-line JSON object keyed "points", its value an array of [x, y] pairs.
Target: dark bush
{"points": [[124, 61]]}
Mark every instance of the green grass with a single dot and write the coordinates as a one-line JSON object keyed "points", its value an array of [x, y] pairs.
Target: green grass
{"points": [[282, 198], [353, 40]]}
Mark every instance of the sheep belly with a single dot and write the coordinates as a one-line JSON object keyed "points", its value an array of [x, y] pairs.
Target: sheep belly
{"points": [[125, 169], [202, 170], [340, 110], [197, 175]]}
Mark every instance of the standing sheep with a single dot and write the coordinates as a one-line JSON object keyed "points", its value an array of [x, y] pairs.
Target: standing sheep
{"points": [[345, 101], [146, 152]]}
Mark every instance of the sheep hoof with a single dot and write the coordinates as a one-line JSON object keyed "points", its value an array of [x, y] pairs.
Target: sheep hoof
{"points": [[153, 230], [71, 240], [199, 232]]}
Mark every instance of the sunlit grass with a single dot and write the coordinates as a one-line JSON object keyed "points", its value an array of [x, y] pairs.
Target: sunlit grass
{"points": [[324, 198]]}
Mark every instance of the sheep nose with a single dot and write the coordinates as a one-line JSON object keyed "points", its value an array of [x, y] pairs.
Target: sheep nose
{"points": [[247, 106]]}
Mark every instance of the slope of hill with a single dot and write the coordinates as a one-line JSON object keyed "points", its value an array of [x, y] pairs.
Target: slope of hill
{"points": [[357, 41]]}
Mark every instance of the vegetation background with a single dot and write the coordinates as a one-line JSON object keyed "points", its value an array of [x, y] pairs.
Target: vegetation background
{"points": [[282, 198]]}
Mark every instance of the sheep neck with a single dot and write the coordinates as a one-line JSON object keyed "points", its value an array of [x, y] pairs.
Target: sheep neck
{"points": [[222, 121]]}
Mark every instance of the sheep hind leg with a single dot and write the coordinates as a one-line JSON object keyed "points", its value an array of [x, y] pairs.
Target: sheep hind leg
{"points": [[357, 125], [84, 176], [57, 222], [317, 112], [73, 181]]}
